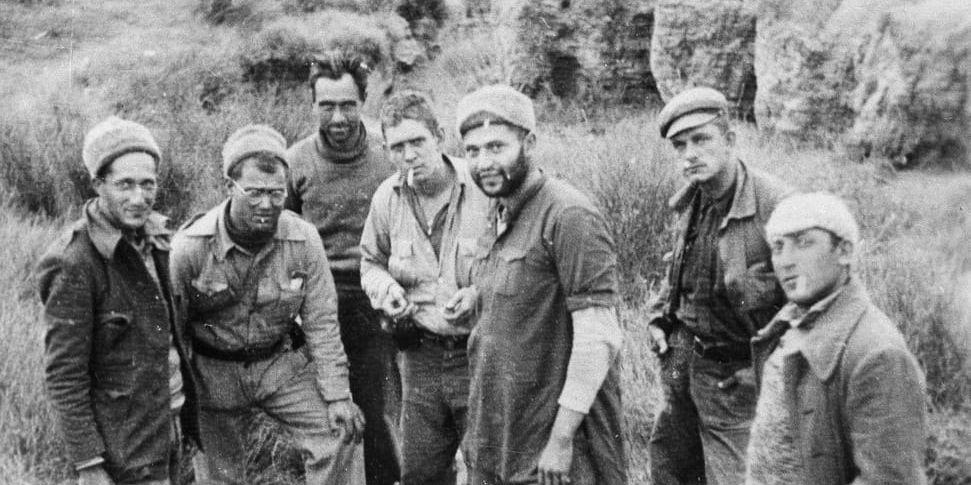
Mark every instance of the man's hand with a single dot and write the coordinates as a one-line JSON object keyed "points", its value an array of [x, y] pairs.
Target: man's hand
{"points": [[555, 460], [95, 475], [461, 305], [744, 376], [346, 418], [659, 340], [395, 304]]}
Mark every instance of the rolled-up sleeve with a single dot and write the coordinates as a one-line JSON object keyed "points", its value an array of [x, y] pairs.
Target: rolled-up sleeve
{"points": [[319, 317], [67, 292], [585, 259], [375, 250]]}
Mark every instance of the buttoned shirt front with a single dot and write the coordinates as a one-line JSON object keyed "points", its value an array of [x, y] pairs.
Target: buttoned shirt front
{"points": [[396, 250], [237, 300], [553, 257]]}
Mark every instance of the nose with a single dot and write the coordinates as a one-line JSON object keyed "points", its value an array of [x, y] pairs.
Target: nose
{"points": [[338, 115], [690, 152], [140, 195], [782, 257], [410, 153]]}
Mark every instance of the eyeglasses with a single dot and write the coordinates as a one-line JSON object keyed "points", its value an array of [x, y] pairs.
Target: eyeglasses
{"points": [[254, 195], [128, 185]]}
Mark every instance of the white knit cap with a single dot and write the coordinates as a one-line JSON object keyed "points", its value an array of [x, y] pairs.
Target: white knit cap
{"points": [[501, 101], [813, 210], [252, 140], [113, 138]]}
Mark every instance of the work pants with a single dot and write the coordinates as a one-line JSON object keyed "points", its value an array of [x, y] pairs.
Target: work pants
{"points": [[285, 388], [375, 383], [435, 386], [701, 433]]}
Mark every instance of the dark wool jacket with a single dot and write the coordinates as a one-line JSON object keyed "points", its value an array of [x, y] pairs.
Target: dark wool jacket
{"points": [[744, 267], [107, 346], [855, 394]]}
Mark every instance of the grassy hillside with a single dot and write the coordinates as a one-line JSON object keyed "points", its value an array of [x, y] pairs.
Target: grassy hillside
{"points": [[165, 66]]}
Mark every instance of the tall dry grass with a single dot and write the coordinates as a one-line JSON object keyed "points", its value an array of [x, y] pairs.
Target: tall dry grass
{"points": [[194, 96]]}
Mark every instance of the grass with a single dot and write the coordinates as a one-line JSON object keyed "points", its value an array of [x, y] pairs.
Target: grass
{"points": [[192, 92]]}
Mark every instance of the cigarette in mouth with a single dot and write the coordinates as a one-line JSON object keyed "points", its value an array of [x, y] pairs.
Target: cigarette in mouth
{"points": [[411, 176]]}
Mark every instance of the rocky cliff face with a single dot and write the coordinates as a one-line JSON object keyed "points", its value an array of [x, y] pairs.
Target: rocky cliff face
{"points": [[585, 48], [705, 43], [912, 101]]}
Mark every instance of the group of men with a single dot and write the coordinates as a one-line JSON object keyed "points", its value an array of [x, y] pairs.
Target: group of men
{"points": [[496, 286]]}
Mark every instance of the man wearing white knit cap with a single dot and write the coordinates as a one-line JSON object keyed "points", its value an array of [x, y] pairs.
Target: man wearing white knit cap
{"points": [[841, 397], [116, 359], [261, 313], [544, 401]]}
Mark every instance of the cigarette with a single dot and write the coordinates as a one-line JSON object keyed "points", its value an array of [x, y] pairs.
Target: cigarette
{"points": [[411, 176]]}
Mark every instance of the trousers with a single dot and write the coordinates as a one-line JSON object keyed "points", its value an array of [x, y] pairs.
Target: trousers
{"points": [[435, 388], [701, 433], [285, 388], [375, 383]]}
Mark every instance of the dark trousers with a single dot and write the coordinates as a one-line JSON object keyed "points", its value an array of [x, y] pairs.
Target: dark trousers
{"points": [[435, 385], [701, 433], [375, 383]]}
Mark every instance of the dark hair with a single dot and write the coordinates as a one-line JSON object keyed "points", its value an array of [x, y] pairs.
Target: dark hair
{"points": [[484, 117], [105, 168], [265, 163], [409, 105], [333, 66]]}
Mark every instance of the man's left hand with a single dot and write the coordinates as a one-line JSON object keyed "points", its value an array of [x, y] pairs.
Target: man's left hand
{"points": [[554, 462], [461, 305], [346, 418]]}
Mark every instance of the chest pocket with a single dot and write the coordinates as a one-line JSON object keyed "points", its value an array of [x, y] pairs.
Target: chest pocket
{"points": [[518, 274], [401, 264], [208, 295], [280, 296]]}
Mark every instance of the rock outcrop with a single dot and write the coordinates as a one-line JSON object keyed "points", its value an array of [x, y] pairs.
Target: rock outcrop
{"points": [[585, 49], [705, 43], [805, 53], [912, 102]]}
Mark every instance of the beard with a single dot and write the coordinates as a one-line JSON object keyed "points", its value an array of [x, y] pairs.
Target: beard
{"points": [[512, 177]]}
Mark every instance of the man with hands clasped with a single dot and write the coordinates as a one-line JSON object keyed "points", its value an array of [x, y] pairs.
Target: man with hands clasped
{"points": [[416, 255]]}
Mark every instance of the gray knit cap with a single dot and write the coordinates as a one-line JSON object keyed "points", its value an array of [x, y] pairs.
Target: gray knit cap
{"points": [[251, 140], [501, 101], [113, 138]]}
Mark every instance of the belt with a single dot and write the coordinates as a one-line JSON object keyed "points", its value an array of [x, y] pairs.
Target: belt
{"points": [[722, 352], [449, 342], [246, 354]]}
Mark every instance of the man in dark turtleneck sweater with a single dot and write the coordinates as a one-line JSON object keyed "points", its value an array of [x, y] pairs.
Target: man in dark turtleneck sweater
{"points": [[334, 173]]}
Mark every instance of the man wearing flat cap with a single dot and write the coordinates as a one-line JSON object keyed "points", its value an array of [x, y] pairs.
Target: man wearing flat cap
{"points": [[261, 314], [841, 397], [116, 361], [719, 291], [544, 404]]}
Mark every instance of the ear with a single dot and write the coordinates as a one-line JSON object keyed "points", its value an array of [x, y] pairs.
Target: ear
{"points": [[97, 184], [529, 142], [730, 138], [228, 183], [440, 134], [846, 252]]}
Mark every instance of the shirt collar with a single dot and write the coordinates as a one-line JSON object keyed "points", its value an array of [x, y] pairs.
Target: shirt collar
{"points": [[831, 327], [106, 235], [213, 224], [797, 316], [743, 202], [535, 179]]}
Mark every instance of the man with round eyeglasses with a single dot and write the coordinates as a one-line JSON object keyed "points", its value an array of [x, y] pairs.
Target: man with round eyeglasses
{"points": [[261, 313], [115, 352]]}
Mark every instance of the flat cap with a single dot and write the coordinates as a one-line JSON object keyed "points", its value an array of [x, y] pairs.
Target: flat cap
{"points": [[690, 108], [820, 210], [252, 140], [113, 138], [499, 100]]}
